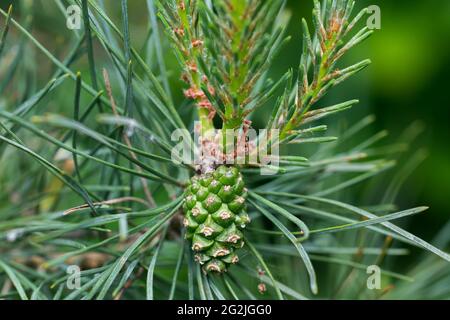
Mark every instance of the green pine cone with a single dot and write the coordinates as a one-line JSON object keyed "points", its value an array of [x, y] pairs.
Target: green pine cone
{"points": [[215, 214]]}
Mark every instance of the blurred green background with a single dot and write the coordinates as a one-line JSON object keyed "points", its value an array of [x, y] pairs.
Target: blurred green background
{"points": [[408, 80]]}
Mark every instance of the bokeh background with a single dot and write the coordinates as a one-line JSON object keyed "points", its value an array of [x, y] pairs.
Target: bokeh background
{"points": [[407, 83]]}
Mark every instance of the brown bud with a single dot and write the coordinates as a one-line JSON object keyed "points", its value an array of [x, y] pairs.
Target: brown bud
{"points": [[179, 31], [262, 288], [192, 66], [185, 77], [197, 43], [211, 90], [205, 104]]}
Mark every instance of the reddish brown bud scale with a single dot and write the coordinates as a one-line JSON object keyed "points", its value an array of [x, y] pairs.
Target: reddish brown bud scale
{"points": [[215, 217], [179, 31], [197, 43]]}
